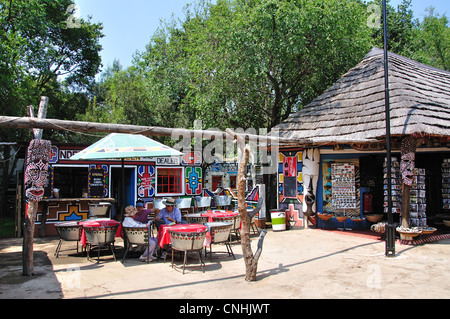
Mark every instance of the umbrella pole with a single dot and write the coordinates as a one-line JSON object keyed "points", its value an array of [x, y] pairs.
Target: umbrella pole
{"points": [[122, 196]]}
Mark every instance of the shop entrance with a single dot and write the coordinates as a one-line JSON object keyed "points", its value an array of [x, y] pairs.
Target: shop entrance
{"points": [[372, 181], [130, 186], [216, 182]]}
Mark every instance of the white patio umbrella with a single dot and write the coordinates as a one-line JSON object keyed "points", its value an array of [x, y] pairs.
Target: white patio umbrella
{"points": [[123, 146]]}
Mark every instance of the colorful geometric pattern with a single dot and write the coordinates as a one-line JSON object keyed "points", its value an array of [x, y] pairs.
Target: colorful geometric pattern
{"points": [[192, 158], [289, 158], [146, 181], [193, 180], [253, 195], [53, 155], [73, 213], [293, 202]]}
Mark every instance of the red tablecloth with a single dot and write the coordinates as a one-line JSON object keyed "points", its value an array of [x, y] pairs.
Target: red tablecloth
{"points": [[218, 213], [99, 223], [164, 237]]}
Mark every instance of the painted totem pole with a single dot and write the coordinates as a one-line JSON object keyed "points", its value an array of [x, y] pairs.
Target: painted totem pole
{"points": [[310, 173], [407, 164], [35, 179]]}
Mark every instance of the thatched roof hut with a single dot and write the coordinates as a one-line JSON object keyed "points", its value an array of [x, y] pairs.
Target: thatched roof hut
{"points": [[353, 109]]}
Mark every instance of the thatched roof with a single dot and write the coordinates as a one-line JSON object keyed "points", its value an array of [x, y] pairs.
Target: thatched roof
{"points": [[353, 109]]}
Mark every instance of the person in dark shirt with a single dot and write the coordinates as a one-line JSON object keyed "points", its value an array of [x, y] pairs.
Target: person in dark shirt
{"points": [[142, 214]]}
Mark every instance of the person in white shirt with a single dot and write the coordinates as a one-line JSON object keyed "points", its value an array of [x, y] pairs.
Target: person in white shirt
{"points": [[129, 221]]}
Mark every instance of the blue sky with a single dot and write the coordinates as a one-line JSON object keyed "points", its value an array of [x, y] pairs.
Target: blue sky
{"points": [[129, 24]]}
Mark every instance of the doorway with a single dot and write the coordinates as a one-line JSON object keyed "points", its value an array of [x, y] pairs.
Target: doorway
{"points": [[216, 182], [129, 197]]}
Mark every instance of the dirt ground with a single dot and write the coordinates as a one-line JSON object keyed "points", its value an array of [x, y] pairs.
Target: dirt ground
{"points": [[294, 264]]}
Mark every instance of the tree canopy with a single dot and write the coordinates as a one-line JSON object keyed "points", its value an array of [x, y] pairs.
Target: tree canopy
{"points": [[231, 63], [251, 63], [43, 52]]}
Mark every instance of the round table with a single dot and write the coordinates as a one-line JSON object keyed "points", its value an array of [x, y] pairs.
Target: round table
{"points": [[99, 223], [164, 237], [218, 213]]}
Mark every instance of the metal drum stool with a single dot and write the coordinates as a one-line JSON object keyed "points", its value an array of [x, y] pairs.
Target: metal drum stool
{"points": [[136, 236], [69, 231], [196, 219], [220, 233], [223, 201], [188, 242], [101, 236]]}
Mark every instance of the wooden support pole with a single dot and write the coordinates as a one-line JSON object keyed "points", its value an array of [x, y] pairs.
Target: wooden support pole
{"points": [[32, 207]]}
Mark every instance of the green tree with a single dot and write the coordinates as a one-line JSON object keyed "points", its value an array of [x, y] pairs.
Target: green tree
{"points": [[251, 63], [38, 48], [433, 40], [401, 29]]}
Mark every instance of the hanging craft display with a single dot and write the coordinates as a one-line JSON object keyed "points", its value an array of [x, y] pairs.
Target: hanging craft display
{"points": [[343, 186], [446, 183]]}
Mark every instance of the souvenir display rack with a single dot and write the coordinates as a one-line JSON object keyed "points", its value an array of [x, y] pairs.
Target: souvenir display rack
{"points": [[418, 206], [446, 183], [396, 186]]}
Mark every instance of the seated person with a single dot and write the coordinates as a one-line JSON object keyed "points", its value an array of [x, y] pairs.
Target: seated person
{"points": [[130, 221], [169, 214], [142, 214]]}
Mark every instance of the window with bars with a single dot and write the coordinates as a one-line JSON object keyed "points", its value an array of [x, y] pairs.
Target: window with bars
{"points": [[170, 181]]}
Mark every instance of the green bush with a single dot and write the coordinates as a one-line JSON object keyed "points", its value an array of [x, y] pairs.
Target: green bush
{"points": [[7, 227]]}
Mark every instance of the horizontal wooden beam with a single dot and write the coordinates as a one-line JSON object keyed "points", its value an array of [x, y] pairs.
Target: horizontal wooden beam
{"points": [[79, 126]]}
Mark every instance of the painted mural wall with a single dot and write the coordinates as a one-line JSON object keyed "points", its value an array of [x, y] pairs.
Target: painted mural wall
{"points": [[290, 187], [98, 179]]}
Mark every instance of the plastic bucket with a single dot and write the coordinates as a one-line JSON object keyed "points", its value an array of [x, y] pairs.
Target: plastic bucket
{"points": [[278, 220]]}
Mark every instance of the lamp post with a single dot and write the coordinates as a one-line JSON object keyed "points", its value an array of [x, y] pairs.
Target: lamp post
{"points": [[390, 228]]}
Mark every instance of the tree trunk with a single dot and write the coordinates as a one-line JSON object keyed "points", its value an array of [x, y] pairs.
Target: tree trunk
{"points": [[28, 236], [250, 266], [250, 259], [406, 205]]}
